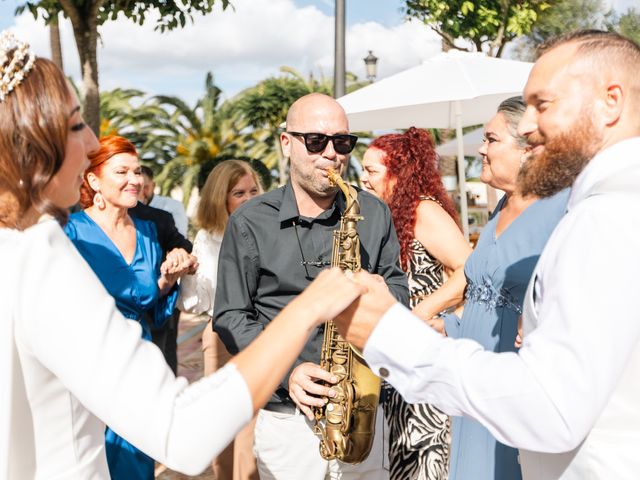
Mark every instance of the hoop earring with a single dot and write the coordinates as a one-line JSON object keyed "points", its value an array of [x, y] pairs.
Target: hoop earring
{"points": [[98, 201]]}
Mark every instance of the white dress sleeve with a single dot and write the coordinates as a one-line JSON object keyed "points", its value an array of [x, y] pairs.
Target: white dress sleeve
{"points": [[67, 320], [197, 291]]}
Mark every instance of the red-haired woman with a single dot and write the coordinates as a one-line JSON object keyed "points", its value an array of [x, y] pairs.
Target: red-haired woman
{"points": [[402, 170], [125, 255]]}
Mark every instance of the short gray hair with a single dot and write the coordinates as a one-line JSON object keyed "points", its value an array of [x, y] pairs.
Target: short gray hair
{"points": [[513, 109]]}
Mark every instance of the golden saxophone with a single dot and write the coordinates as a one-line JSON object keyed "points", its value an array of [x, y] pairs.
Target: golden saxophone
{"points": [[346, 424]]}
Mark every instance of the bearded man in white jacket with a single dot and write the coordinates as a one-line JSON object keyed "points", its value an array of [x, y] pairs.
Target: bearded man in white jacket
{"points": [[569, 398]]}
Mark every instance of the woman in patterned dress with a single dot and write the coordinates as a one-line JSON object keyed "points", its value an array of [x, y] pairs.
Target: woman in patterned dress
{"points": [[402, 170]]}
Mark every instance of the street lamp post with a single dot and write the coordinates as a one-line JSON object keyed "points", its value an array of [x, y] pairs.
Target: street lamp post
{"points": [[339, 70], [371, 63]]}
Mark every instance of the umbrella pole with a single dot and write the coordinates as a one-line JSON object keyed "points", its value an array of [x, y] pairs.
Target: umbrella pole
{"points": [[462, 184]]}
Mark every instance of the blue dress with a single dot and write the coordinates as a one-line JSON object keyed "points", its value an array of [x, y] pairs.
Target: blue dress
{"points": [[134, 288], [498, 273]]}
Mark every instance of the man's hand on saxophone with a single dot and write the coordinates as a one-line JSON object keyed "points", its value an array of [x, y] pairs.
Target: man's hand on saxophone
{"points": [[304, 389]]}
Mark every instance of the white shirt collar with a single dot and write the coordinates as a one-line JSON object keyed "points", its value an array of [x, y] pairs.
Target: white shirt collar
{"points": [[605, 164]]}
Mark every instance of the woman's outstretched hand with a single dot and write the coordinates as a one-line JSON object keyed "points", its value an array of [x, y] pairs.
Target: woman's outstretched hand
{"points": [[357, 321]]}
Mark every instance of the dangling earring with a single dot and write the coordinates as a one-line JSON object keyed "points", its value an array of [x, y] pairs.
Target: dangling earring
{"points": [[98, 201]]}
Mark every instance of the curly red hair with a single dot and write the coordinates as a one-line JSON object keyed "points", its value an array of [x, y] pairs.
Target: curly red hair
{"points": [[412, 161], [109, 146]]}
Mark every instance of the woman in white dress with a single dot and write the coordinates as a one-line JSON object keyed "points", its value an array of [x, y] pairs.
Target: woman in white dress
{"points": [[230, 184], [69, 361]]}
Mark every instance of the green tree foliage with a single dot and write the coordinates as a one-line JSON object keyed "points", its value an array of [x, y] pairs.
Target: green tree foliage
{"points": [[568, 15], [181, 144], [264, 107], [117, 111], [562, 17], [87, 15], [488, 24], [178, 139], [629, 24]]}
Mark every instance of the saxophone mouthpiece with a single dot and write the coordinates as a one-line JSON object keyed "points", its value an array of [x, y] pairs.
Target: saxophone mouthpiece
{"points": [[331, 174]]}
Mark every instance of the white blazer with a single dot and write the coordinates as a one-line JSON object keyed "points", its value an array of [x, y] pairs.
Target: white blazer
{"points": [[70, 363]]}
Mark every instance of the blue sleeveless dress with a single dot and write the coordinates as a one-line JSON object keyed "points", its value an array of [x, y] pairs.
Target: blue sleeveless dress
{"points": [[134, 288], [498, 273]]}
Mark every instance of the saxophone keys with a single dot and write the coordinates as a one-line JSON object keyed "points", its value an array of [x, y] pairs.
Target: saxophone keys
{"points": [[334, 413], [339, 396], [339, 358]]}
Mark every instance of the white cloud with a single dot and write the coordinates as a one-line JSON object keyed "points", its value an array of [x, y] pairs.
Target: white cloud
{"points": [[397, 48], [623, 5], [240, 46]]}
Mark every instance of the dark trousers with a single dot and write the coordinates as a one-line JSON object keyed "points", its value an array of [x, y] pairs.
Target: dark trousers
{"points": [[166, 340]]}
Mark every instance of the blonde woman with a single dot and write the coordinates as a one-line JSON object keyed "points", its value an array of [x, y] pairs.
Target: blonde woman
{"points": [[229, 185]]}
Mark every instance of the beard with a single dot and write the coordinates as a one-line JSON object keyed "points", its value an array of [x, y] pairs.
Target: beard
{"points": [[564, 156]]}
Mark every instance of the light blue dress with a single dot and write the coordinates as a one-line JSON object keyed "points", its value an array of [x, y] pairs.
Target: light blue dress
{"points": [[498, 273], [134, 288]]}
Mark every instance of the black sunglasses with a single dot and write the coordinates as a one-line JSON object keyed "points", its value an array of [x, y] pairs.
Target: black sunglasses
{"points": [[343, 143]]}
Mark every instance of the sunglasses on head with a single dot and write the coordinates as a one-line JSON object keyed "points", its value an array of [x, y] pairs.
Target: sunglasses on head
{"points": [[343, 143]]}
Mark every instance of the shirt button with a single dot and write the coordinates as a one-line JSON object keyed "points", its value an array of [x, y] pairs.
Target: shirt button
{"points": [[384, 373]]}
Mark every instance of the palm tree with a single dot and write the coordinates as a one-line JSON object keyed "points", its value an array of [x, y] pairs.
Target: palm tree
{"points": [[264, 107], [179, 139], [54, 40], [117, 112]]}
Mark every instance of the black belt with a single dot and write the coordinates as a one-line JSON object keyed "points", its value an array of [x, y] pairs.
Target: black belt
{"points": [[281, 407]]}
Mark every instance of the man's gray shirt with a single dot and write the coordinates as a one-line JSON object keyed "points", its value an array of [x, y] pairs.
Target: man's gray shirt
{"points": [[260, 268]]}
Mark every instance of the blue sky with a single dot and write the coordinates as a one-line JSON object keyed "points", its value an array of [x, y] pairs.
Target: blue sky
{"points": [[7, 7], [385, 12], [240, 47], [244, 46]]}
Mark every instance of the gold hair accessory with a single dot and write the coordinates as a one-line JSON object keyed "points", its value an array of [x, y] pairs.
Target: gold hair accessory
{"points": [[16, 59]]}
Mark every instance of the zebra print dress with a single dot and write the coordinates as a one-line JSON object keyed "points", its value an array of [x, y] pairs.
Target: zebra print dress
{"points": [[419, 435]]}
